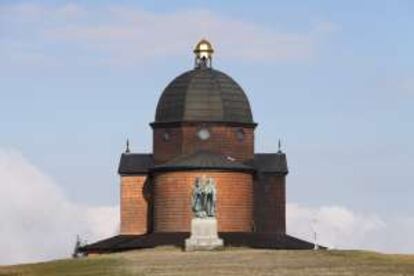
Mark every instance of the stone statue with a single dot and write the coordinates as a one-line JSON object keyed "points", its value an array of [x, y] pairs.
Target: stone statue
{"points": [[204, 234], [198, 199], [210, 197], [204, 197]]}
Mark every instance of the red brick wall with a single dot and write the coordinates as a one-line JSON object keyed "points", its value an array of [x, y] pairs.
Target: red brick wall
{"points": [[134, 205], [172, 201], [184, 140], [270, 203], [166, 150]]}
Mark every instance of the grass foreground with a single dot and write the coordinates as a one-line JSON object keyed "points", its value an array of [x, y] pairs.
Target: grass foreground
{"points": [[231, 261]]}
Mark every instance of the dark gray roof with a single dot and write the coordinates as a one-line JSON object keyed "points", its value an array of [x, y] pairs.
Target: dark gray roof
{"points": [[270, 163], [203, 160], [249, 239], [206, 95], [135, 163]]}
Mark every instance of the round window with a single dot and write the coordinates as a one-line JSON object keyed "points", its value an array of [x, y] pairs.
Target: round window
{"points": [[166, 136], [240, 134], [203, 134]]}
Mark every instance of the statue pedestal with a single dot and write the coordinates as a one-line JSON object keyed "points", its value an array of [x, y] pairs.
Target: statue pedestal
{"points": [[203, 235]]}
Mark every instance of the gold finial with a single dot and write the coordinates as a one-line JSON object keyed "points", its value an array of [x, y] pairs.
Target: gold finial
{"points": [[204, 53]]}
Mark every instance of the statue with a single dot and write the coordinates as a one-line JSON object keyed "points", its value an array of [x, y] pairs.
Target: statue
{"points": [[204, 234], [197, 199], [210, 197], [204, 197]]}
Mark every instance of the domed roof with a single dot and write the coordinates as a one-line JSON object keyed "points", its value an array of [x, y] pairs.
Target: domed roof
{"points": [[204, 95]]}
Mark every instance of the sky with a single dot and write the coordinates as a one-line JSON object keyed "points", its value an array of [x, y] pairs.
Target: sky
{"points": [[333, 80]]}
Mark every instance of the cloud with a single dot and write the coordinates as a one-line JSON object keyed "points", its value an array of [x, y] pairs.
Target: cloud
{"points": [[128, 34], [37, 221], [342, 228]]}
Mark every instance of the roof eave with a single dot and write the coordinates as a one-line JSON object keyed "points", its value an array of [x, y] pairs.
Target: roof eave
{"points": [[156, 124], [201, 168]]}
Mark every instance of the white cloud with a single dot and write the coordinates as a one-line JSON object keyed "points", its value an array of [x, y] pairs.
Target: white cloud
{"points": [[37, 221], [340, 227], [127, 35]]}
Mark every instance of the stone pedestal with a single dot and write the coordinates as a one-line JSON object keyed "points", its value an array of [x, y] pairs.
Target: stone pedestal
{"points": [[203, 235]]}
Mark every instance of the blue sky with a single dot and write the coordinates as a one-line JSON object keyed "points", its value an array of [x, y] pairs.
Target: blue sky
{"points": [[334, 80]]}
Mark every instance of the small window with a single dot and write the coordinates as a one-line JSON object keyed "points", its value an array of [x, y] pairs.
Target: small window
{"points": [[240, 134], [166, 136], [203, 134]]}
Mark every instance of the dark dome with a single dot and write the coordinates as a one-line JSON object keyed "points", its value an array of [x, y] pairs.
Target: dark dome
{"points": [[206, 95]]}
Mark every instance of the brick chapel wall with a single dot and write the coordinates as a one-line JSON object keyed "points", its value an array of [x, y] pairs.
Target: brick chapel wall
{"points": [[164, 150], [172, 201], [134, 205], [223, 140], [270, 203]]}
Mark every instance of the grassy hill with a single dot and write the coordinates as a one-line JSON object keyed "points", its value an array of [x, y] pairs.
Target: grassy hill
{"points": [[236, 261]]}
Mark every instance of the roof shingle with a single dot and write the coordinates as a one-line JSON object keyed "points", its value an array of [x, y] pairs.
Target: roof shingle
{"points": [[203, 94], [133, 163]]}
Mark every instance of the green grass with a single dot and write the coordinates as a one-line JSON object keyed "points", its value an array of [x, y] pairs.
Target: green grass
{"points": [[232, 261]]}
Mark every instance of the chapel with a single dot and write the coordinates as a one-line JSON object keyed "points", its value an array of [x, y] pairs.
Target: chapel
{"points": [[203, 127]]}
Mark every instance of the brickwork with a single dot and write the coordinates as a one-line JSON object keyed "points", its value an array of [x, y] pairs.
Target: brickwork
{"points": [[166, 149], [134, 205], [172, 201], [223, 139], [270, 200]]}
